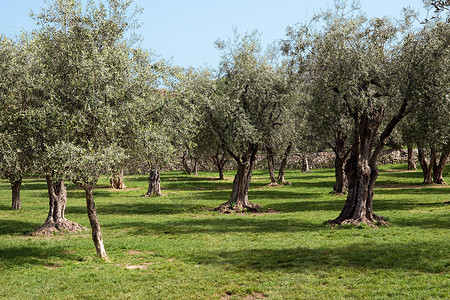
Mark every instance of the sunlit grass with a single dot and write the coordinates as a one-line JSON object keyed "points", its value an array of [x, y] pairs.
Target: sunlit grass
{"points": [[176, 247]]}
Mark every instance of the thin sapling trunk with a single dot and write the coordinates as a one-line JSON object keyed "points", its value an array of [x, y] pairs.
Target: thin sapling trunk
{"points": [[95, 224]]}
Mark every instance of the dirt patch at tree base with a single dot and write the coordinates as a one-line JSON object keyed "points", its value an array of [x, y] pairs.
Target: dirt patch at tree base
{"points": [[66, 226]]}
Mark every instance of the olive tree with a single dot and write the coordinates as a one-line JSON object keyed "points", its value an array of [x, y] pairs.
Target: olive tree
{"points": [[245, 104], [16, 120], [428, 124], [85, 78], [365, 77]]}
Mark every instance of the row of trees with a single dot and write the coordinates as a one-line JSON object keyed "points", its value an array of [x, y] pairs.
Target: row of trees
{"points": [[78, 100]]}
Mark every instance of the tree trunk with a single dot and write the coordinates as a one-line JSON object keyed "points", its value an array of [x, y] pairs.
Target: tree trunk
{"points": [[117, 180], [341, 185], [362, 172], [305, 164], [95, 225], [220, 162], [239, 196], [438, 168], [426, 170], [411, 161], [185, 164], [56, 220], [283, 166], [196, 166], [270, 166], [154, 184], [15, 187]]}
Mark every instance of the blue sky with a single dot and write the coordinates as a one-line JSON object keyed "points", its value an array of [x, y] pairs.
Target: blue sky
{"points": [[185, 30]]}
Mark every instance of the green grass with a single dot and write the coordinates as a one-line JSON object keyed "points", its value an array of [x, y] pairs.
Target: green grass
{"points": [[182, 250]]}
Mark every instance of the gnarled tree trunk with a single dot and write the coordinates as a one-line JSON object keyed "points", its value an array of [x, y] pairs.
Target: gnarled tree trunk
{"points": [[195, 171], [154, 184], [185, 164], [426, 169], [362, 171], [283, 166], [95, 224], [411, 161], [239, 196], [438, 168], [15, 188], [117, 180], [220, 163], [56, 220], [305, 164], [341, 185], [270, 166]]}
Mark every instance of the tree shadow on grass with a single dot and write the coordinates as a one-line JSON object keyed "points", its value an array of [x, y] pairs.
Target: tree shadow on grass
{"points": [[24, 255], [441, 221], [412, 191], [5, 207], [298, 206], [422, 257], [10, 227], [135, 209], [249, 223]]}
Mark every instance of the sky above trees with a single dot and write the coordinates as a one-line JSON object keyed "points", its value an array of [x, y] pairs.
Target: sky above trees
{"points": [[185, 31]]}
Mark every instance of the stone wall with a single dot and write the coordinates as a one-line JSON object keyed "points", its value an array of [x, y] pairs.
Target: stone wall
{"points": [[317, 160]]}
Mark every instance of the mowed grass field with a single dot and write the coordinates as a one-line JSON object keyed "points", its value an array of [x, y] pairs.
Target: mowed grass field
{"points": [[175, 247]]}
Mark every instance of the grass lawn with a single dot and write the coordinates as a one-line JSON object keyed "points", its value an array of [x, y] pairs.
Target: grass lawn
{"points": [[174, 247]]}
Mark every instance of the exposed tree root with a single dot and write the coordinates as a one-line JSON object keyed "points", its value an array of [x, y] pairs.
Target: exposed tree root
{"points": [[286, 183], [337, 193], [49, 228], [228, 208], [374, 223]]}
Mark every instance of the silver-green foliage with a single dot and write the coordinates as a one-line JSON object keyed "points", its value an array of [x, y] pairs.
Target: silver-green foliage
{"points": [[249, 97]]}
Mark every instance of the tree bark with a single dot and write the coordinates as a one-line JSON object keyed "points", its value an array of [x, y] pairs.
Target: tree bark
{"points": [[270, 166], [305, 164], [411, 161], [239, 196], [195, 171], [341, 185], [426, 169], [117, 180], [95, 225], [15, 188], [220, 163], [56, 220], [438, 168], [154, 184], [185, 164], [283, 165], [362, 171]]}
